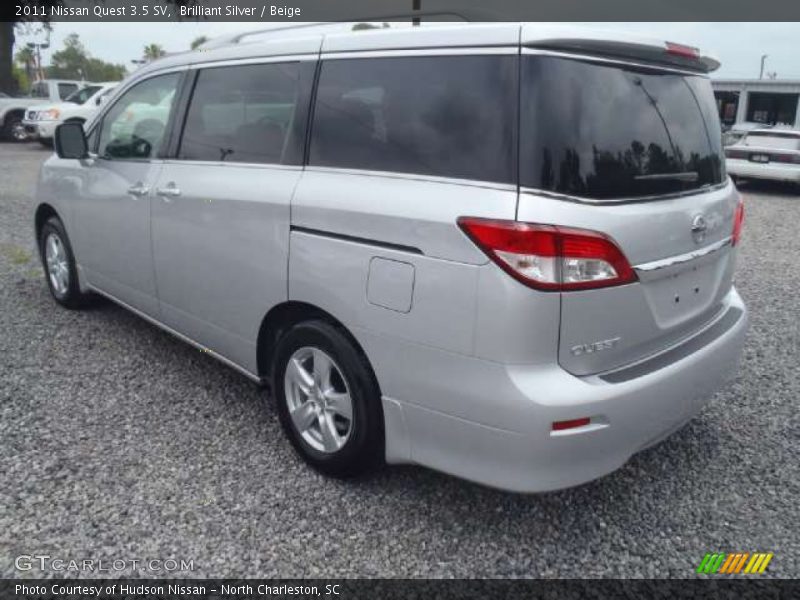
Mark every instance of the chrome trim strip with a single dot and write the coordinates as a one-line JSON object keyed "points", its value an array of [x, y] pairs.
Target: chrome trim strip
{"points": [[526, 50], [682, 258], [503, 187], [251, 60], [439, 51], [630, 200], [247, 165], [226, 361]]}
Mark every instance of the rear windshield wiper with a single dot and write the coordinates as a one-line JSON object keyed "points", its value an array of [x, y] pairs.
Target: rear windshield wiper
{"points": [[690, 176]]}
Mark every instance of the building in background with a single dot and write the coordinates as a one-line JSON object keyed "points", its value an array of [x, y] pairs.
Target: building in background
{"points": [[757, 101]]}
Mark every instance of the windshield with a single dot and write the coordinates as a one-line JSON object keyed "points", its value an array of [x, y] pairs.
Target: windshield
{"points": [[602, 131], [82, 95]]}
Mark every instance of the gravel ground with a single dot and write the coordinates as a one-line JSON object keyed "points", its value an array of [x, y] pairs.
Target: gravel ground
{"points": [[118, 441]]}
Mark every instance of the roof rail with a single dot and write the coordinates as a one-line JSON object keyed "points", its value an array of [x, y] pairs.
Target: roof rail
{"points": [[464, 13]]}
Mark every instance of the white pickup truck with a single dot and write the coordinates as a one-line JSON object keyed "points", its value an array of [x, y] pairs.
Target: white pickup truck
{"points": [[41, 120], [12, 110]]}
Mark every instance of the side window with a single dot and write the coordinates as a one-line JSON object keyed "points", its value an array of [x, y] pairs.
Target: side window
{"points": [[450, 116], [135, 125], [66, 89], [39, 90], [241, 114]]}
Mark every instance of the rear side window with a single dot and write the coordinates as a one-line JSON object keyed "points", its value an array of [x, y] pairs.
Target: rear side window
{"points": [[66, 89], [39, 90], [449, 116], [605, 131], [241, 114]]}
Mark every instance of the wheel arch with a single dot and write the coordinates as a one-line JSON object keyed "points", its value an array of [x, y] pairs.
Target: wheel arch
{"points": [[43, 212], [283, 317], [18, 112]]}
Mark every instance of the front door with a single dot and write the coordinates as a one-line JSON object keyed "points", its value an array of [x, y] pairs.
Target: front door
{"points": [[113, 215]]}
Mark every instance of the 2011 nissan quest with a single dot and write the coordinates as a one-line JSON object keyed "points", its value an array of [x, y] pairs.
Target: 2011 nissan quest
{"points": [[501, 251]]}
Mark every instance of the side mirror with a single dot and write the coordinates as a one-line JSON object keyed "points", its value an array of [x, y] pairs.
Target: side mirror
{"points": [[99, 101], [70, 141]]}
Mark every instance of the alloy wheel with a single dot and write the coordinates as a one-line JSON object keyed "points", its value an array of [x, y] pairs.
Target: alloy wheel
{"points": [[318, 399]]}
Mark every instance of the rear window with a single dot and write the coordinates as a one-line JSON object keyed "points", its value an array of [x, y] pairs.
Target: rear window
{"points": [[605, 131], [449, 116]]}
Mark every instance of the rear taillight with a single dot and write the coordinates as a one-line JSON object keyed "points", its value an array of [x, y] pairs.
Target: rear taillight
{"points": [[681, 50], [786, 158], [738, 222], [735, 154], [548, 257]]}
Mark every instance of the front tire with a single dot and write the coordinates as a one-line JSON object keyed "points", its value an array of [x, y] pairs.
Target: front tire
{"points": [[14, 130], [328, 400], [59, 265]]}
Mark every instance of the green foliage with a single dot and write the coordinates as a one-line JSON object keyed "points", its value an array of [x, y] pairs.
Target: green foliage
{"points": [[23, 81], [153, 51], [75, 62], [199, 41]]}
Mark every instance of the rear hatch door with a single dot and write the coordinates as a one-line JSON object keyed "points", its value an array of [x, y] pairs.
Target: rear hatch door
{"points": [[633, 151]]}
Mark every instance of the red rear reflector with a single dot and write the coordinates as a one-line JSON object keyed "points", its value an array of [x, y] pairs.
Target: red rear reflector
{"points": [[571, 424], [548, 257], [681, 50], [738, 222]]}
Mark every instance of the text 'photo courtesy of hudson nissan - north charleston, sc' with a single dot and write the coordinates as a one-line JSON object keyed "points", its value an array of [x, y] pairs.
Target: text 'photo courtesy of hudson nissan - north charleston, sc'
{"points": [[505, 252]]}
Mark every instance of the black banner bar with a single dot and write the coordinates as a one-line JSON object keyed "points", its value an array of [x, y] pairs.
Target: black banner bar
{"points": [[391, 589], [389, 10]]}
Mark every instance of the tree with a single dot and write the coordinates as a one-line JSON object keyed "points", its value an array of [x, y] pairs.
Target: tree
{"points": [[153, 51], [74, 62], [365, 26], [27, 58], [8, 82], [198, 41]]}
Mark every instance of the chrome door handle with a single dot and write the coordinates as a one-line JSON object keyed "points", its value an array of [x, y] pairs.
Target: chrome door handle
{"points": [[171, 191], [138, 190]]}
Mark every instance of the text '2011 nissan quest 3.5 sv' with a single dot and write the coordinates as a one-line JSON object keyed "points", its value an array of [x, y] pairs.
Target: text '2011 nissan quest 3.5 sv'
{"points": [[501, 251]]}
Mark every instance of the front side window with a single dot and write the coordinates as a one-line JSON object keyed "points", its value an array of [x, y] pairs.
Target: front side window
{"points": [[607, 131], [449, 116], [66, 89], [135, 126], [241, 114]]}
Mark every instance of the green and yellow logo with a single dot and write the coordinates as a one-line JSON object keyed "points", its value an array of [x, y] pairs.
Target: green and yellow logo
{"points": [[721, 564]]}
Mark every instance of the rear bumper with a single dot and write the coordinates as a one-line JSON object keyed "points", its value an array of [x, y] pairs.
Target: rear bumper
{"points": [[774, 171], [508, 442]]}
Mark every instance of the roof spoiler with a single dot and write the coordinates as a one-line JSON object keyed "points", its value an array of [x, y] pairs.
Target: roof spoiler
{"points": [[623, 46]]}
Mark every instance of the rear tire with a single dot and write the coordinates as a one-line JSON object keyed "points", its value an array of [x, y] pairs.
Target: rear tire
{"points": [[328, 400], [58, 261]]}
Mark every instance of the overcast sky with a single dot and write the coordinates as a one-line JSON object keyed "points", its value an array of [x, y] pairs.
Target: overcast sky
{"points": [[739, 46]]}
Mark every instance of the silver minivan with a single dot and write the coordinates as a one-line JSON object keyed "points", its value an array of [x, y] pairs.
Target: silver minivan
{"points": [[505, 252]]}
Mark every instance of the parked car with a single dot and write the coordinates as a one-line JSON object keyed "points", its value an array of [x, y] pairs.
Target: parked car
{"points": [[41, 120], [12, 110], [765, 154], [501, 251]]}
